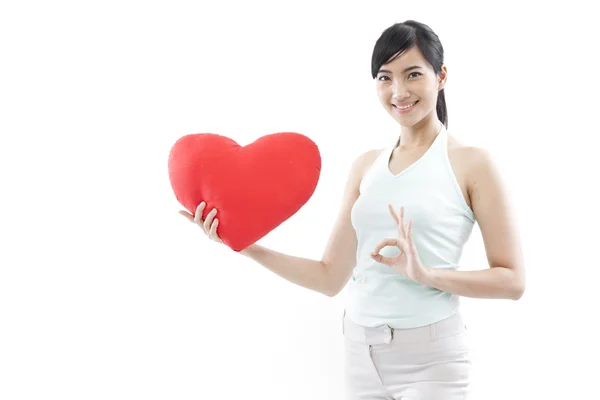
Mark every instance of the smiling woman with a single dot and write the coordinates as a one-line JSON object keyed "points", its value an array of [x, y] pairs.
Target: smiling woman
{"points": [[408, 62], [407, 212]]}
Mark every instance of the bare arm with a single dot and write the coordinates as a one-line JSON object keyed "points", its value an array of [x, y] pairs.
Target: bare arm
{"points": [[311, 274], [330, 275]]}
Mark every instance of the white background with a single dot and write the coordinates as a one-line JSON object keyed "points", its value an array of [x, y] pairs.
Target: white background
{"points": [[107, 293]]}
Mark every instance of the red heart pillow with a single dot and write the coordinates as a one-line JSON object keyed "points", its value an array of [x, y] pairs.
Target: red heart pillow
{"points": [[254, 187]]}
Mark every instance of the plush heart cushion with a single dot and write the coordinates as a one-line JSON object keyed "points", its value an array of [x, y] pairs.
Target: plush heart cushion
{"points": [[254, 187]]}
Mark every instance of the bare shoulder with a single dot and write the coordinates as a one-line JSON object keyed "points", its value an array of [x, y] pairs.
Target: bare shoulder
{"points": [[366, 159], [468, 162], [467, 157], [461, 147]]}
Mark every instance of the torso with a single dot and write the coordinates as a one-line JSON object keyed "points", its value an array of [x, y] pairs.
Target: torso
{"points": [[459, 154]]}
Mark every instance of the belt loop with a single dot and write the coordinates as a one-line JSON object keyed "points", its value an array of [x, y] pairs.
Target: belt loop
{"points": [[432, 331], [343, 322]]}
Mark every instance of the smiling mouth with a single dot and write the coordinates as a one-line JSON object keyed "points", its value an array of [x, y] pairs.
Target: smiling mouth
{"points": [[406, 108]]}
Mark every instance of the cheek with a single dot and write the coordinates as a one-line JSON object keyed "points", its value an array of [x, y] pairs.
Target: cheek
{"points": [[384, 97], [429, 89]]}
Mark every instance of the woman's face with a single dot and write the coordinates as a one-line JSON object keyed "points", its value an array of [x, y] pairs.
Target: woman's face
{"points": [[406, 80]]}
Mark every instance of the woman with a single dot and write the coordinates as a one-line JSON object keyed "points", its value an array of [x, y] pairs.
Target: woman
{"points": [[407, 212]]}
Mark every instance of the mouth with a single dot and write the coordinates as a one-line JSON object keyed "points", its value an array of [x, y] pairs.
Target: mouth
{"points": [[404, 110]]}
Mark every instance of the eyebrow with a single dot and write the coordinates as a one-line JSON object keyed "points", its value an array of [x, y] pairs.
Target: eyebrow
{"points": [[405, 69]]}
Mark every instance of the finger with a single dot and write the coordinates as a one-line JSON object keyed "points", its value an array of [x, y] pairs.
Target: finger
{"points": [[199, 211], [399, 243], [381, 259], [213, 230], [411, 242], [209, 219], [186, 214], [401, 226], [386, 242], [394, 215]]}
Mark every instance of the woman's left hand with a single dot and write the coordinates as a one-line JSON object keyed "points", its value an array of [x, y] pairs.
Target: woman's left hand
{"points": [[407, 262]]}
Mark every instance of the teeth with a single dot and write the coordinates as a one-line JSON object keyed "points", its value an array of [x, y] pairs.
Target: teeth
{"points": [[408, 106]]}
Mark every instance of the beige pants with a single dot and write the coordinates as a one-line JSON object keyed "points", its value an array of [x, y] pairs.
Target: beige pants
{"points": [[426, 363]]}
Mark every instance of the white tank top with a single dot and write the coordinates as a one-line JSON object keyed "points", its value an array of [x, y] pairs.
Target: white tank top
{"points": [[442, 224]]}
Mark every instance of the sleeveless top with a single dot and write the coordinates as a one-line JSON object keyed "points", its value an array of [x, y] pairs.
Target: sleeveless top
{"points": [[442, 223]]}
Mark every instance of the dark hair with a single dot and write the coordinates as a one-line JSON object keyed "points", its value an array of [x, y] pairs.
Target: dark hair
{"points": [[403, 36]]}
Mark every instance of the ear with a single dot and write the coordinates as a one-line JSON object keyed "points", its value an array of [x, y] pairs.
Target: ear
{"points": [[442, 77]]}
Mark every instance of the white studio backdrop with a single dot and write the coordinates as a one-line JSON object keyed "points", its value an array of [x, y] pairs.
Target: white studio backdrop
{"points": [[107, 293]]}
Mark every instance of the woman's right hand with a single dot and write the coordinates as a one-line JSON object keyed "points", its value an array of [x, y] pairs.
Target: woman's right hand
{"points": [[209, 226]]}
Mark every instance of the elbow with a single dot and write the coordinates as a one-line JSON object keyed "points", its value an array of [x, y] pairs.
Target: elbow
{"points": [[511, 284], [331, 286], [517, 293], [331, 290], [518, 288]]}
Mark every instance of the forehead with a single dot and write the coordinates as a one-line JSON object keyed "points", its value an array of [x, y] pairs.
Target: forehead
{"points": [[410, 57]]}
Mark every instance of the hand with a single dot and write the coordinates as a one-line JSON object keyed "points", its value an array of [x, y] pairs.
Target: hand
{"points": [[407, 262], [209, 226]]}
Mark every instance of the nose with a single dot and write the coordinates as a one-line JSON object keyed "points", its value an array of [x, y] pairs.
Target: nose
{"points": [[399, 90]]}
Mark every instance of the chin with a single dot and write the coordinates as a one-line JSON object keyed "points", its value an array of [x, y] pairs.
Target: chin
{"points": [[406, 121]]}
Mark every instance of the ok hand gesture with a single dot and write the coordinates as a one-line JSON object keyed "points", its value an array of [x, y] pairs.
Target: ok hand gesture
{"points": [[407, 262]]}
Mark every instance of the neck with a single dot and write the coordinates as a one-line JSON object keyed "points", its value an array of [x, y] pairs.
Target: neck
{"points": [[419, 135]]}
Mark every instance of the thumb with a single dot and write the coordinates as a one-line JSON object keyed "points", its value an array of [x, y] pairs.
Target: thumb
{"points": [[187, 215], [381, 259]]}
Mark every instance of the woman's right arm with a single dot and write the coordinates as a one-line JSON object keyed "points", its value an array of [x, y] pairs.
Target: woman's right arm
{"points": [[329, 275]]}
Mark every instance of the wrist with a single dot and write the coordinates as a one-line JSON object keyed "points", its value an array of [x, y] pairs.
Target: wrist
{"points": [[427, 276], [248, 250]]}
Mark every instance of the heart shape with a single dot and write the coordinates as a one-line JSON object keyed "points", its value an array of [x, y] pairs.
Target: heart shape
{"points": [[254, 187]]}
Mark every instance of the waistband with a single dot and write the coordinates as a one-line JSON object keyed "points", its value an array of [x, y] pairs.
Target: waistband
{"points": [[450, 326]]}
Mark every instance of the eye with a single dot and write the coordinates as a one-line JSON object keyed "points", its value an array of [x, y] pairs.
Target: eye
{"points": [[382, 76], [418, 74]]}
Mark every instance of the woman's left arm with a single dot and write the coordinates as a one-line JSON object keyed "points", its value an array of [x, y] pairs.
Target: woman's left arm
{"points": [[505, 279]]}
